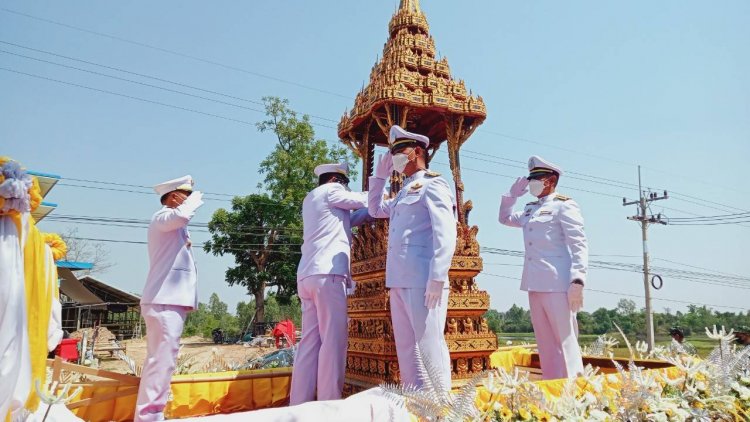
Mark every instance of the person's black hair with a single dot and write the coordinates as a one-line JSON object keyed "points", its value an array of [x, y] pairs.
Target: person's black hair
{"points": [[336, 177]]}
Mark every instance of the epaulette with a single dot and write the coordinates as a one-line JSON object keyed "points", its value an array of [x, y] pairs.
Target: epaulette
{"points": [[533, 203], [559, 197], [431, 174]]}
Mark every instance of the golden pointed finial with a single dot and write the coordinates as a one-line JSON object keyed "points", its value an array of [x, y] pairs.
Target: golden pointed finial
{"points": [[410, 6]]}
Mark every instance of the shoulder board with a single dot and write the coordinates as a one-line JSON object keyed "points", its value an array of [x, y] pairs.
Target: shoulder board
{"points": [[561, 198], [431, 174], [533, 203]]}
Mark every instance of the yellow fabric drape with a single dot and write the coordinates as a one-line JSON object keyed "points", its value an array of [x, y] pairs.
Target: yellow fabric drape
{"points": [[41, 284], [509, 358], [197, 398]]}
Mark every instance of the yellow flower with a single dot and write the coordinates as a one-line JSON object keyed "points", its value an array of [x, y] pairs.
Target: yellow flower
{"points": [[506, 414], [57, 244], [524, 414], [36, 194]]}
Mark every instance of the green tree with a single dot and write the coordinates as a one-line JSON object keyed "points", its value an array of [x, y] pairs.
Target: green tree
{"points": [[517, 320], [245, 313], [494, 320], [216, 307], [200, 322], [288, 169], [260, 232]]}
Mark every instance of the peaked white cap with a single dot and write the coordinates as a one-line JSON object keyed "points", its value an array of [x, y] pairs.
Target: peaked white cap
{"points": [[539, 166], [340, 168], [181, 183], [398, 136]]}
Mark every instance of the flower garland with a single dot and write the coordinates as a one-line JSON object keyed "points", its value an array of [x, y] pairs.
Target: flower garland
{"points": [[19, 191]]}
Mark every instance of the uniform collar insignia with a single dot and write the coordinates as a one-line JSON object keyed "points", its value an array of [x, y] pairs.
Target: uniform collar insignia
{"points": [[431, 174], [416, 186]]}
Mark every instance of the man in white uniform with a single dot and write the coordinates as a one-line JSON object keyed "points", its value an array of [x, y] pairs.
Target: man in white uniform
{"points": [[421, 243], [555, 265], [329, 211], [170, 293]]}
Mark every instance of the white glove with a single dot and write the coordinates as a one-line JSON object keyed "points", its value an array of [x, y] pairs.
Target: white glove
{"points": [[193, 202], [384, 166], [433, 295], [575, 297], [519, 188]]}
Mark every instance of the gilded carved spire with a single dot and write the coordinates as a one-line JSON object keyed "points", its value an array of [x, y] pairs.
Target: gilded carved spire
{"points": [[410, 6]]}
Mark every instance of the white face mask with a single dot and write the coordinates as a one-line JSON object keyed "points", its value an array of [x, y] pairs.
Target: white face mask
{"points": [[536, 187], [400, 161]]}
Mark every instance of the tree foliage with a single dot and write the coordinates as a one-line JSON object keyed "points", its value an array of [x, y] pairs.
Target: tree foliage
{"points": [[288, 169], [626, 315], [80, 250], [263, 236]]}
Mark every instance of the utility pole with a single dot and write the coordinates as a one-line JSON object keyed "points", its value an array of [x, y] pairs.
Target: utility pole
{"points": [[643, 203]]}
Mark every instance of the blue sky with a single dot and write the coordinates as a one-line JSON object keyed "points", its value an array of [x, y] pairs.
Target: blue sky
{"points": [[597, 87]]}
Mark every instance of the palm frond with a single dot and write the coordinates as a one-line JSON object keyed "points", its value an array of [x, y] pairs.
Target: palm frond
{"points": [[463, 406]]}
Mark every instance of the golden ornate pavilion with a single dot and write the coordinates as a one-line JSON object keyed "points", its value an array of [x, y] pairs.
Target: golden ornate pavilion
{"points": [[410, 87]]}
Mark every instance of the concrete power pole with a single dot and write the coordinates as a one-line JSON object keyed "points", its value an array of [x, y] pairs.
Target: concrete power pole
{"points": [[642, 217]]}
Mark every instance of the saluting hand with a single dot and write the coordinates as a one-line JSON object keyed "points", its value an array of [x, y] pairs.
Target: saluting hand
{"points": [[519, 187], [433, 295], [384, 167]]}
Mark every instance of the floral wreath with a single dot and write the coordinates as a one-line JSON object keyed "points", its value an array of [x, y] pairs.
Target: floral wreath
{"points": [[19, 191]]}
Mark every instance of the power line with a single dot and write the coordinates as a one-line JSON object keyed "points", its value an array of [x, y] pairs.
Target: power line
{"points": [[667, 300], [118, 69], [691, 276], [140, 242], [631, 295], [132, 97], [618, 183], [273, 204], [712, 217], [176, 53], [133, 81], [208, 61], [135, 186]]}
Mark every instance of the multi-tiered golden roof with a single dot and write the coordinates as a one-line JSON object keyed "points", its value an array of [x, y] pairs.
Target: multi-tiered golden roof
{"points": [[412, 79]]}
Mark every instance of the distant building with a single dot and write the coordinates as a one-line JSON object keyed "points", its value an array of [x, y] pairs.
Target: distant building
{"points": [[86, 301]]}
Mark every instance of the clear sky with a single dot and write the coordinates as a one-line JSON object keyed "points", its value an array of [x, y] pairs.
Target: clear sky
{"points": [[596, 87]]}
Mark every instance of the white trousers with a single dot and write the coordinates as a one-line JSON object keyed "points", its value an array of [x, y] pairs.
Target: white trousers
{"points": [[320, 362], [164, 325], [419, 330], [556, 332]]}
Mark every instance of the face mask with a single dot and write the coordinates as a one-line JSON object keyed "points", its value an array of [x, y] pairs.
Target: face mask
{"points": [[400, 162], [536, 187]]}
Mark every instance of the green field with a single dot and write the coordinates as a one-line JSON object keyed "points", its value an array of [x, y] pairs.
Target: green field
{"points": [[702, 344]]}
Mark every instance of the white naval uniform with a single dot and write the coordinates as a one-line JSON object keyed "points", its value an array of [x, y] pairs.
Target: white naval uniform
{"points": [[170, 293], [323, 276], [556, 254], [421, 243]]}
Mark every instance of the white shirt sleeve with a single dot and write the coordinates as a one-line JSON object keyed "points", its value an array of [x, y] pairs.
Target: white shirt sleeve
{"points": [[376, 204], [575, 238], [169, 219], [439, 203], [341, 198], [507, 216]]}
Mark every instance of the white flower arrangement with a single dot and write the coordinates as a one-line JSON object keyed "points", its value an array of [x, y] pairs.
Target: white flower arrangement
{"points": [[714, 389]]}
